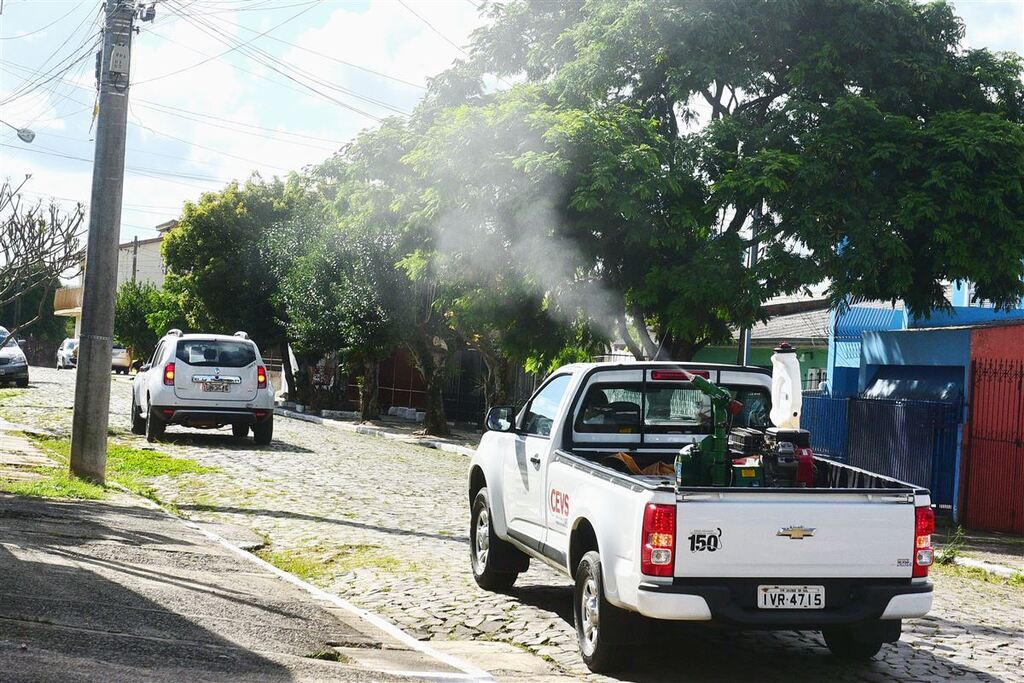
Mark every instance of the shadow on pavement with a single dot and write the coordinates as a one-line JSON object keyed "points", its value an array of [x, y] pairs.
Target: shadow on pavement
{"points": [[287, 514], [96, 591], [674, 651], [225, 441]]}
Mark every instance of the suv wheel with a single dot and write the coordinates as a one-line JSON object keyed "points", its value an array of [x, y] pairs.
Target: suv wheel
{"points": [[263, 432], [496, 563], [138, 422], [240, 431], [155, 426]]}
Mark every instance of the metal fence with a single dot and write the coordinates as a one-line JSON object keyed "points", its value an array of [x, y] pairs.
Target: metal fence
{"points": [[914, 441], [826, 418]]}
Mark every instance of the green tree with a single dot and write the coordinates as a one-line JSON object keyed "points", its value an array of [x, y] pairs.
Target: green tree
{"points": [[856, 142], [220, 260], [135, 304], [342, 299]]}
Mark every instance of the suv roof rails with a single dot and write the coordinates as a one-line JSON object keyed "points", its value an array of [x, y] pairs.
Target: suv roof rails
{"points": [[173, 333], [241, 334]]}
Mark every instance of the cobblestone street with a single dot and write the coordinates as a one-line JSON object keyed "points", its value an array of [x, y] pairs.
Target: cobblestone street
{"points": [[384, 525]]}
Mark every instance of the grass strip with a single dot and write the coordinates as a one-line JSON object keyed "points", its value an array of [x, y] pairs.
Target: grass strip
{"points": [[130, 467]]}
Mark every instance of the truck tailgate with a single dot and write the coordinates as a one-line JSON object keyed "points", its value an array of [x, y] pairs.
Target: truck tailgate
{"points": [[783, 534]]}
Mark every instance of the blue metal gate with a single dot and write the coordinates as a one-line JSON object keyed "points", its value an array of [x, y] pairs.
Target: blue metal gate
{"points": [[826, 418], [914, 441]]}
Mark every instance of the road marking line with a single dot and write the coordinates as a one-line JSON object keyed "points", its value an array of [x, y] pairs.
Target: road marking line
{"points": [[470, 672]]}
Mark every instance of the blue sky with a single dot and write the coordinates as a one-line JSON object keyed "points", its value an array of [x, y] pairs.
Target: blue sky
{"points": [[200, 118]]}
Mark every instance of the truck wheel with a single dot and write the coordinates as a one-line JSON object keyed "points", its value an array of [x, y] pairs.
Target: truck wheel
{"points": [[263, 432], [496, 563], [600, 625], [138, 422], [155, 426], [850, 643], [21, 383], [240, 431]]}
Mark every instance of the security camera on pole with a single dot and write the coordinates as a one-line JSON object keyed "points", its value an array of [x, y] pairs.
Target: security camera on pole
{"points": [[92, 385]]}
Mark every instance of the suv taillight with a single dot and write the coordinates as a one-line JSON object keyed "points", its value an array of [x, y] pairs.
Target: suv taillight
{"points": [[169, 374], [924, 525], [658, 540], [261, 377]]}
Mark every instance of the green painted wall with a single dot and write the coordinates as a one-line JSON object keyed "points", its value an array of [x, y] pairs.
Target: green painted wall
{"points": [[810, 356]]}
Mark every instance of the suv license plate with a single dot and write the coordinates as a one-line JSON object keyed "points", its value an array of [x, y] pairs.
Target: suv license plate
{"points": [[216, 386], [791, 597]]}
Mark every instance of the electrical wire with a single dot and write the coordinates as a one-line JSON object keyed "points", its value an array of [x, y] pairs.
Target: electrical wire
{"points": [[330, 57], [155, 172], [327, 84], [228, 51], [433, 28], [197, 117], [40, 30], [275, 65], [39, 78]]}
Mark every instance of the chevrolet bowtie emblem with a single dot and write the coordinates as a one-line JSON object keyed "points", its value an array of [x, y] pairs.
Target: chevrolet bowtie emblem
{"points": [[796, 532]]}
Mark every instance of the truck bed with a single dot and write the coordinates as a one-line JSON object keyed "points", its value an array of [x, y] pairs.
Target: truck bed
{"points": [[829, 474]]}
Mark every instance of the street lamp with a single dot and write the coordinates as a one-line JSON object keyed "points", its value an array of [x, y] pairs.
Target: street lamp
{"points": [[25, 134]]}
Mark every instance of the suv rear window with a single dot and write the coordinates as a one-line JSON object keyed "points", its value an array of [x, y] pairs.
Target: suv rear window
{"points": [[207, 353]]}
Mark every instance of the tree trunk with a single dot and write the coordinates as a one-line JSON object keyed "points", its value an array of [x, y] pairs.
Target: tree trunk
{"points": [[434, 422], [685, 350], [623, 331], [289, 373], [640, 325], [497, 382], [369, 398], [431, 361]]}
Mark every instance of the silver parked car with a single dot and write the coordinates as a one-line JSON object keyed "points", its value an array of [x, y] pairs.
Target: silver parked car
{"points": [[66, 354], [120, 359]]}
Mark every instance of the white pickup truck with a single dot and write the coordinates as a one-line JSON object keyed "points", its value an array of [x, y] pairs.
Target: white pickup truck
{"points": [[848, 555]]}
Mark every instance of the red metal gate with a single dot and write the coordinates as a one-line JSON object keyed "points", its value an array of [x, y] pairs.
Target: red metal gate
{"points": [[994, 472]]}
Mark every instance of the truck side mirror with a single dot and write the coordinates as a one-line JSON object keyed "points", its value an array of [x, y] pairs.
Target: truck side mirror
{"points": [[501, 419]]}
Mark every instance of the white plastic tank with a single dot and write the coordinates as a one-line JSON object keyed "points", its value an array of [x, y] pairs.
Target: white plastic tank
{"points": [[786, 391]]}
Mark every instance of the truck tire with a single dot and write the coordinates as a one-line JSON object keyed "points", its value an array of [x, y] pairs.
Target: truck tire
{"points": [[138, 422], [853, 642], [496, 563], [155, 426], [600, 626], [263, 432]]}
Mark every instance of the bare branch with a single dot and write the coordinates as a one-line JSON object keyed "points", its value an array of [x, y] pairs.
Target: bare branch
{"points": [[39, 244]]}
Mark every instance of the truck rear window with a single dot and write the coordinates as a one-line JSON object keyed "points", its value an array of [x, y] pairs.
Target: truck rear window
{"points": [[676, 408], [205, 353]]}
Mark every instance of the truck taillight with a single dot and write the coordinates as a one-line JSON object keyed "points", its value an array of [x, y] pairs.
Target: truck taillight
{"points": [[169, 374], [261, 377], [658, 540], [924, 525]]}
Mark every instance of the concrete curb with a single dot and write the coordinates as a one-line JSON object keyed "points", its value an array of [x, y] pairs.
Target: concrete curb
{"points": [[469, 672], [426, 442], [997, 569]]}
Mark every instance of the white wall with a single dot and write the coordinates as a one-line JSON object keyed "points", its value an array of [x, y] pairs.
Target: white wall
{"points": [[149, 266]]}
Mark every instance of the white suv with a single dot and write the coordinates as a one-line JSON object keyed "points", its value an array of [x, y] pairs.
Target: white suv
{"points": [[204, 381]]}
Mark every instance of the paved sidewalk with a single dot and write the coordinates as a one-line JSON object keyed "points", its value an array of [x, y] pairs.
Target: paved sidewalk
{"points": [[116, 591], [1004, 550], [461, 442]]}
